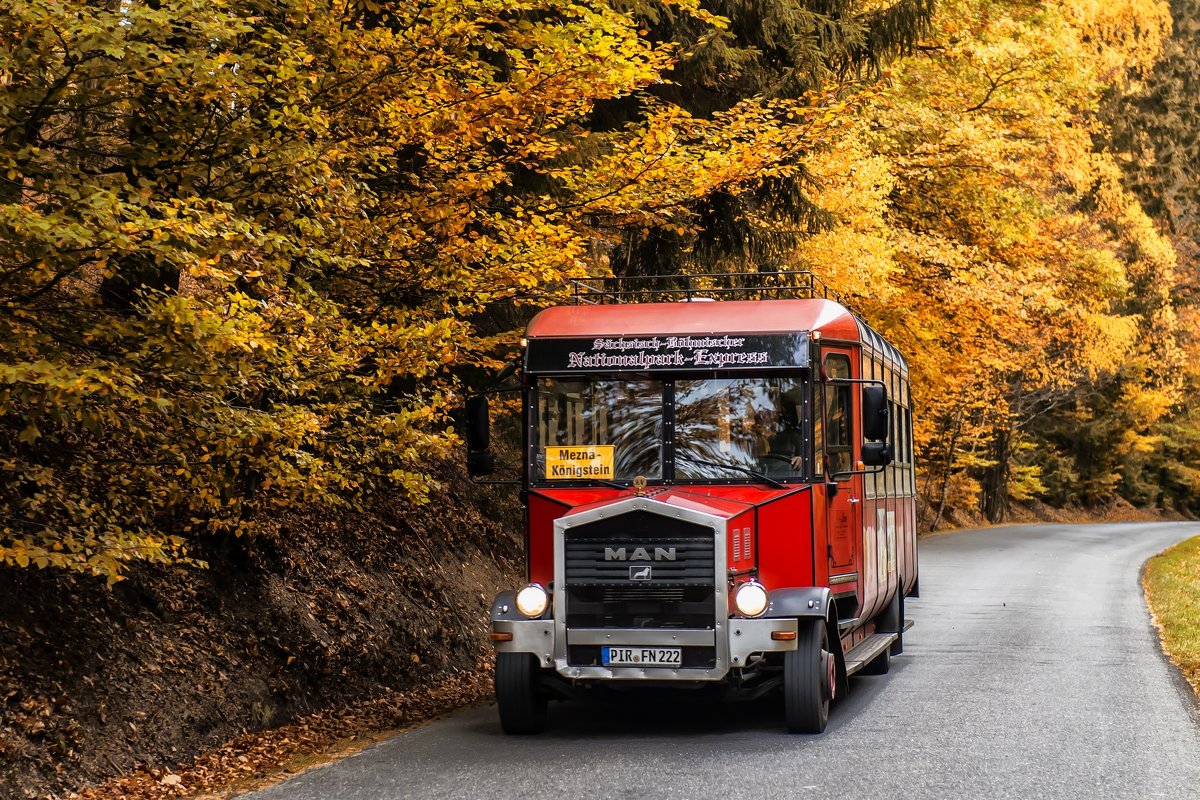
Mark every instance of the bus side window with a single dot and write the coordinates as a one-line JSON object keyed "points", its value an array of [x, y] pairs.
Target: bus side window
{"points": [[818, 431], [837, 415]]}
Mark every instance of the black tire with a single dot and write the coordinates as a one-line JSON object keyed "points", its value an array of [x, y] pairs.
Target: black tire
{"points": [[892, 621], [809, 673], [522, 707], [898, 645], [880, 664]]}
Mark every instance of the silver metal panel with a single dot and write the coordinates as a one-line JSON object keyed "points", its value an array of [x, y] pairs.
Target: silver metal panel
{"points": [[718, 526], [748, 636], [529, 636], [849, 577], [639, 674], [657, 637]]}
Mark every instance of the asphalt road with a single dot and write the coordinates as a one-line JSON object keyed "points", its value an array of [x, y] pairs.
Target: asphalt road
{"points": [[1032, 672]]}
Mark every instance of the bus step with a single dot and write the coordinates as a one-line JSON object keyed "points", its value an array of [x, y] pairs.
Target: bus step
{"points": [[865, 651]]}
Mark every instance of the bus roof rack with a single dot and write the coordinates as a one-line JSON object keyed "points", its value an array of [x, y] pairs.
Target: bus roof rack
{"points": [[776, 285]]}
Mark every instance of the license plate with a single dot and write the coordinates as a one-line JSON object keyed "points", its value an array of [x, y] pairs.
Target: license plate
{"points": [[641, 656]]}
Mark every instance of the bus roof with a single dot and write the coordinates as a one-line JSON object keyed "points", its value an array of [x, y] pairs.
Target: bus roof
{"points": [[833, 320], [697, 317]]}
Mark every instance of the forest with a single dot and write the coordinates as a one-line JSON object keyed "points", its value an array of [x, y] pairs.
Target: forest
{"points": [[249, 257], [253, 254]]}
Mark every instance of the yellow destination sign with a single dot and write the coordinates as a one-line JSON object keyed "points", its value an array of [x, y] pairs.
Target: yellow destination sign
{"points": [[576, 463]]}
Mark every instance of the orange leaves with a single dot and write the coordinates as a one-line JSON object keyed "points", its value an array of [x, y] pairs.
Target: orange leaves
{"points": [[245, 256], [255, 263], [991, 240], [650, 173], [553, 72], [1124, 35]]}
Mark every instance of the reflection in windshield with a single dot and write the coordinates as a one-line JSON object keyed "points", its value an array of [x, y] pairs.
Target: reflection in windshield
{"points": [[611, 429], [752, 423], [624, 414]]}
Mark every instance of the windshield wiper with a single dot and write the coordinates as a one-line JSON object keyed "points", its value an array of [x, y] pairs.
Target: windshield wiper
{"points": [[738, 467]]}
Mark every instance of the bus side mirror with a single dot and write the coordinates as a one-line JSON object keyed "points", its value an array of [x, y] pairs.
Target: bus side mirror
{"points": [[875, 413], [480, 465], [480, 462], [876, 454]]}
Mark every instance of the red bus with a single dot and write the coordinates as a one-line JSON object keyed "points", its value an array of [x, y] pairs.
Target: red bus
{"points": [[719, 491]]}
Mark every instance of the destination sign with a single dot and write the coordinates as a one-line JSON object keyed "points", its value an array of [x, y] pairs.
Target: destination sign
{"points": [[578, 462], [659, 353]]}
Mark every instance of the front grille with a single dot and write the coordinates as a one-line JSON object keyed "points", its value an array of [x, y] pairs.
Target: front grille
{"points": [[674, 561], [598, 607], [657, 594], [640, 570]]}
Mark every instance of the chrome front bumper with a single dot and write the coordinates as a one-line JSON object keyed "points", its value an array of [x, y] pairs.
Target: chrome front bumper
{"points": [[742, 639]]}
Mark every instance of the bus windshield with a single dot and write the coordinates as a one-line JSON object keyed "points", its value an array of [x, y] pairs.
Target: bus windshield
{"points": [[752, 423], [611, 429], [608, 429]]}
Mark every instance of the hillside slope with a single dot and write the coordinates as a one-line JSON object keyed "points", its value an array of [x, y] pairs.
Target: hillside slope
{"points": [[325, 609]]}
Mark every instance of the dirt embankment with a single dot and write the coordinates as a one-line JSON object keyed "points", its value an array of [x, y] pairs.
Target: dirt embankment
{"points": [[345, 622]]}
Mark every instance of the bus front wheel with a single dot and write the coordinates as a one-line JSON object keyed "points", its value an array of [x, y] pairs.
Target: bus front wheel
{"points": [[809, 675], [522, 706]]}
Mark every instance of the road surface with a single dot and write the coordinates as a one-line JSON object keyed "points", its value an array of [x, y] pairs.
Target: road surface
{"points": [[1032, 672]]}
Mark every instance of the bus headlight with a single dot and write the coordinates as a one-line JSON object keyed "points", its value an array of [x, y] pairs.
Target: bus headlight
{"points": [[750, 599], [532, 600]]}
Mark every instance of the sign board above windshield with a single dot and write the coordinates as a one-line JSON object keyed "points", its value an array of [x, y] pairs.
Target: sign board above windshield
{"points": [[663, 353]]}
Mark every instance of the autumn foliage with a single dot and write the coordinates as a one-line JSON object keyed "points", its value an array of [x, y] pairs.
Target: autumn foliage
{"points": [[1027, 286], [247, 247]]}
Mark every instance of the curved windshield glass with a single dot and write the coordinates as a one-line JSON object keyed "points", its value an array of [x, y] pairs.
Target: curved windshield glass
{"points": [[598, 429], [611, 429], [747, 423]]}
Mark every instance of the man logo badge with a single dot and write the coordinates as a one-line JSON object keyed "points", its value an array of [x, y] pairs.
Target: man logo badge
{"points": [[639, 573]]}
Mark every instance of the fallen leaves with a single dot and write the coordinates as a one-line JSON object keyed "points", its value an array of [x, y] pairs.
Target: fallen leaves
{"points": [[256, 760]]}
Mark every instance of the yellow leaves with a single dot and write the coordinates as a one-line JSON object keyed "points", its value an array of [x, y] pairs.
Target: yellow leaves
{"points": [[856, 253], [319, 211], [852, 182], [328, 252], [1025, 482], [29, 434], [1014, 247], [15, 555], [103, 553], [1126, 35], [859, 263], [1146, 405], [649, 173]]}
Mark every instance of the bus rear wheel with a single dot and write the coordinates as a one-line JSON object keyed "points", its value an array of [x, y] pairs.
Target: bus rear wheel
{"points": [[522, 707], [809, 673]]}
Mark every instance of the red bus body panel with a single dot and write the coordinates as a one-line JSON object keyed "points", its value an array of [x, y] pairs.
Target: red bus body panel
{"points": [[861, 547], [777, 523], [676, 319]]}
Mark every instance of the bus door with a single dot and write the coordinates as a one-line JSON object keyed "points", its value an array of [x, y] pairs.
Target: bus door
{"points": [[844, 515]]}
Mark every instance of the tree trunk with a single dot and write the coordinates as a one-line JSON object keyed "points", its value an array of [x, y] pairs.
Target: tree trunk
{"points": [[951, 445], [995, 480]]}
